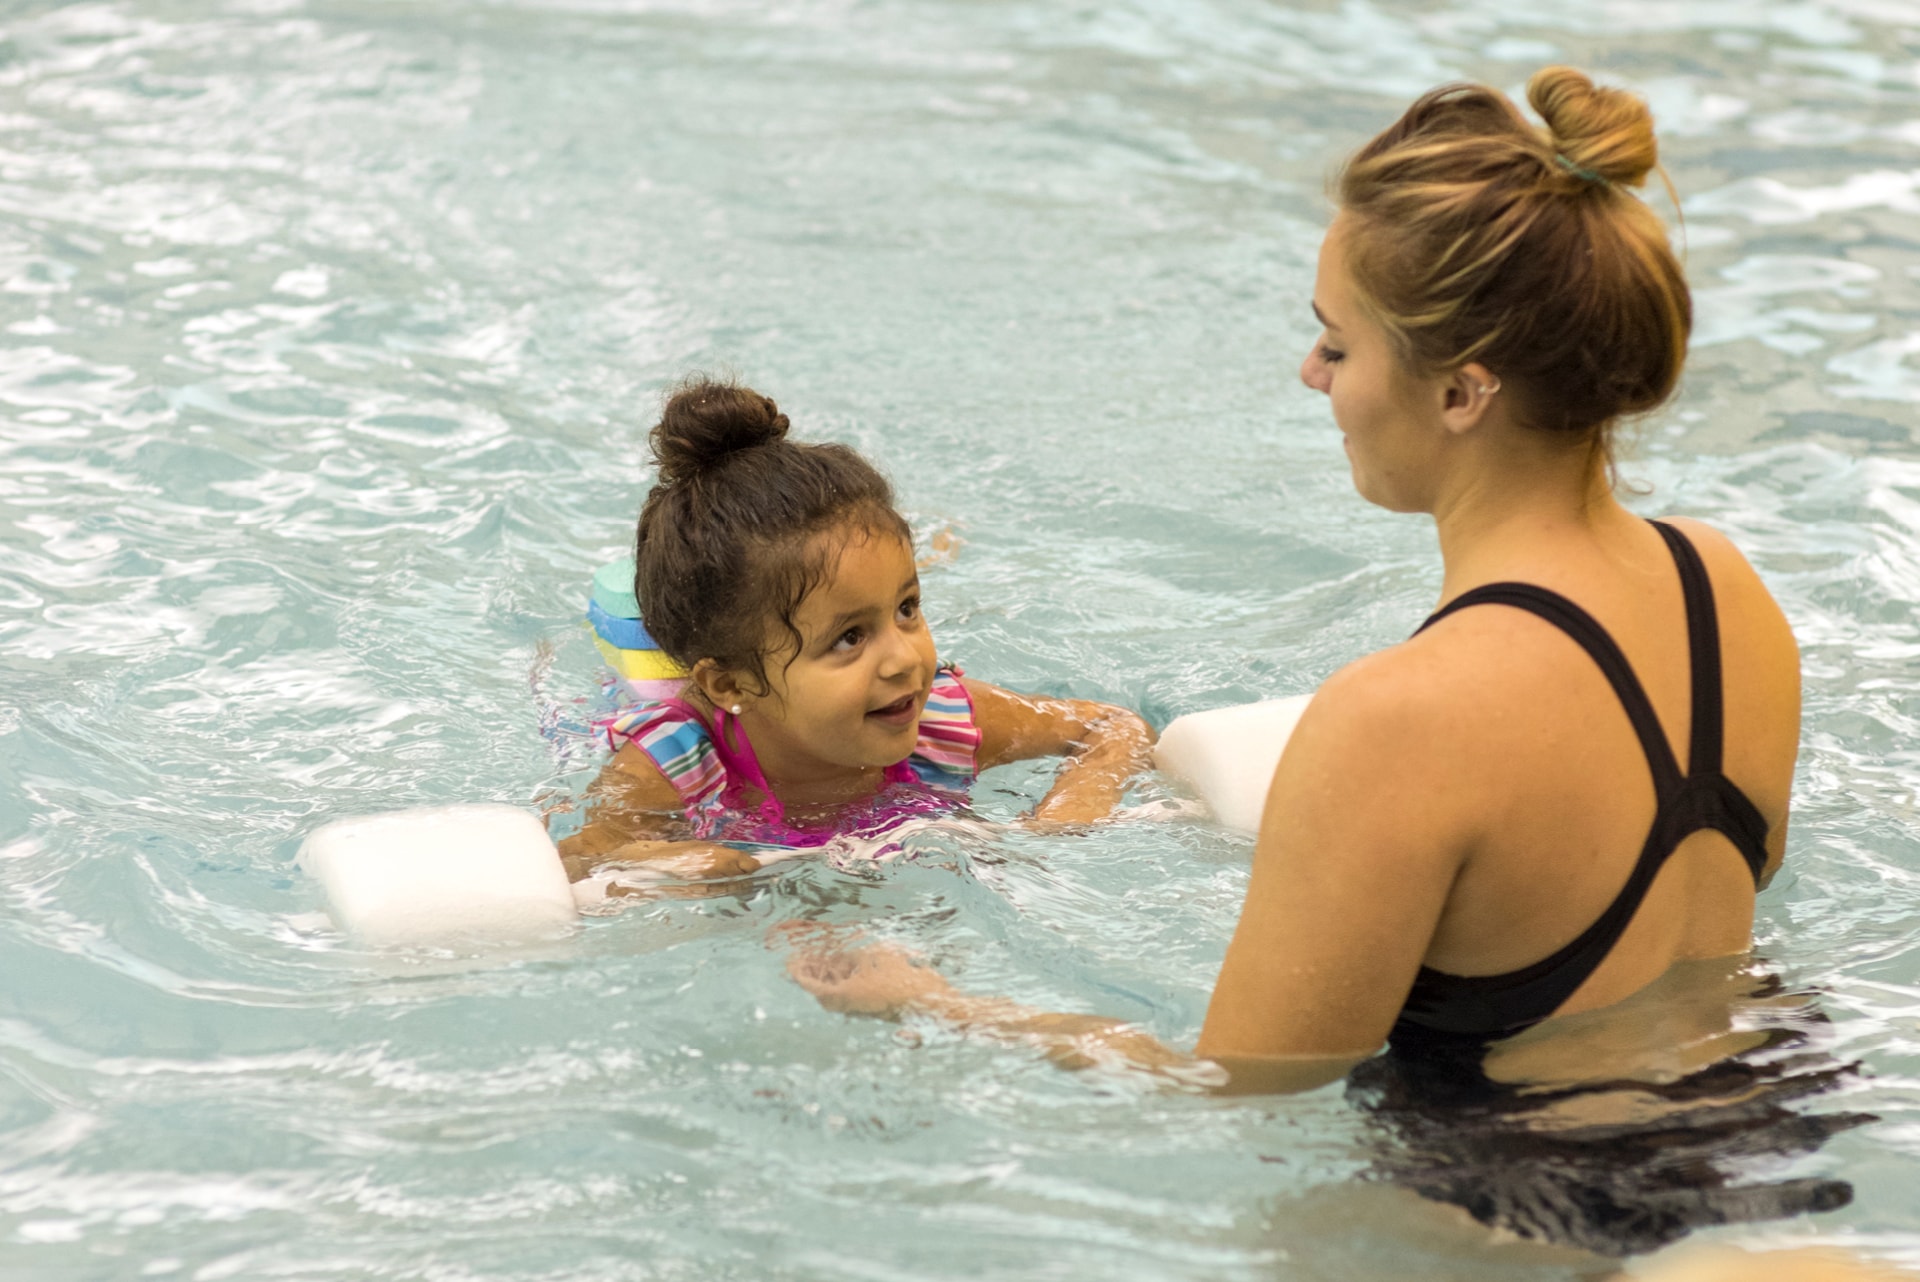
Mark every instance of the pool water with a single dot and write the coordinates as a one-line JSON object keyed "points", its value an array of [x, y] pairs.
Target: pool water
{"points": [[332, 330]]}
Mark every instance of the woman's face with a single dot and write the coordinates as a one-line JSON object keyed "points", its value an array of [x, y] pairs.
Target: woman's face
{"points": [[1386, 415]]}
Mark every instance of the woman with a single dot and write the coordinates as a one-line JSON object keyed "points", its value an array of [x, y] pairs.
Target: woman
{"points": [[1576, 775]]}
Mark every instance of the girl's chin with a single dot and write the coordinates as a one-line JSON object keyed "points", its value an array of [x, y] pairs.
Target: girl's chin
{"points": [[890, 747], [881, 759]]}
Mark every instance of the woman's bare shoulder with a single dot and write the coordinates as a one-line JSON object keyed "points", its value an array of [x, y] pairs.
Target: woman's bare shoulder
{"points": [[1461, 662], [1745, 604], [1413, 699], [1726, 564], [1466, 692]]}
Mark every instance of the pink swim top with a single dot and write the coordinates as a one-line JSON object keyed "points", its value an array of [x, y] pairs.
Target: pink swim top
{"points": [[713, 767]]}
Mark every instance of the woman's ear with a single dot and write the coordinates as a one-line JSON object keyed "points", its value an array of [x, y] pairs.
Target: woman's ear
{"points": [[1467, 396]]}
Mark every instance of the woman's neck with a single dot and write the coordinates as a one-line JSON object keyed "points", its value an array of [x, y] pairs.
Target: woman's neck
{"points": [[1519, 508]]}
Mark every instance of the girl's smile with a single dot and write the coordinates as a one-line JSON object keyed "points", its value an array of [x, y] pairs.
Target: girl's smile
{"points": [[849, 700], [902, 711]]}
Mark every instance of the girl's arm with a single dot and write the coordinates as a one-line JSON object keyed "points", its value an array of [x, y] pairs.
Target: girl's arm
{"points": [[1105, 747], [632, 814]]}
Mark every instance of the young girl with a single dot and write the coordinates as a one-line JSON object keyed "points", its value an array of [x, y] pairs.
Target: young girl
{"points": [[779, 574]]}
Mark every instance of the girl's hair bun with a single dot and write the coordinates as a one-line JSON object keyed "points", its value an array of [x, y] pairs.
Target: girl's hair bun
{"points": [[1605, 133], [705, 420]]}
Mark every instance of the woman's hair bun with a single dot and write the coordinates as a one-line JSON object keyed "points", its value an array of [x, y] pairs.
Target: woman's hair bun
{"points": [[1605, 133], [705, 420]]}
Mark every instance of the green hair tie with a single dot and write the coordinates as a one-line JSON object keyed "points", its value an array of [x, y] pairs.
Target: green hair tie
{"points": [[1585, 175]]}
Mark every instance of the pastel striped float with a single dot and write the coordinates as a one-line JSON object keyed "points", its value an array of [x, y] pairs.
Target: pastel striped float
{"points": [[614, 615]]}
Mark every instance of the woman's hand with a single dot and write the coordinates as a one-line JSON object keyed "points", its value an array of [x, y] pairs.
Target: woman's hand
{"points": [[886, 981], [882, 980]]}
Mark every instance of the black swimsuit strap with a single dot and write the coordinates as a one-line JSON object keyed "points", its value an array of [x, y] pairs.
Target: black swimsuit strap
{"points": [[1704, 798], [1703, 648], [1606, 654]]}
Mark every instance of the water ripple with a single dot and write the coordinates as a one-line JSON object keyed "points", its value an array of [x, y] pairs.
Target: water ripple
{"points": [[331, 332]]}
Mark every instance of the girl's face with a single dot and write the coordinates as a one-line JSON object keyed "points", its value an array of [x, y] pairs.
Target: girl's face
{"points": [[852, 696], [1382, 410]]}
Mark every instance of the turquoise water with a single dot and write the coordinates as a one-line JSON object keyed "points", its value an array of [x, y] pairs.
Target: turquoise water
{"points": [[331, 333]]}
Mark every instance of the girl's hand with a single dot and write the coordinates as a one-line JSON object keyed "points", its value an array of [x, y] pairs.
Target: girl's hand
{"points": [[1055, 818], [688, 860], [629, 805], [1033, 821], [1069, 810], [581, 851], [877, 979], [1105, 749]]}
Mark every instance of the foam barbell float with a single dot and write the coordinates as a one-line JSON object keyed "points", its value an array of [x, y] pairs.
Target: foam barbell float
{"points": [[442, 876], [464, 874], [445, 875], [1228, 755]]}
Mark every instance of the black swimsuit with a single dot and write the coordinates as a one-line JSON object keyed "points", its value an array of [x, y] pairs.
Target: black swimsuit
{"points": [[1488, 1006]]}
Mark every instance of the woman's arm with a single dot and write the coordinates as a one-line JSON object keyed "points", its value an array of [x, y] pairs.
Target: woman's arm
{"points": [[885, 981], [1366, 827], [1105, 746], [1360, 845], [632, 812]]}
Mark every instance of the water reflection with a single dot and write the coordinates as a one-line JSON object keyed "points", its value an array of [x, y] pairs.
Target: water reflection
{"points": [[1623, 1130]]}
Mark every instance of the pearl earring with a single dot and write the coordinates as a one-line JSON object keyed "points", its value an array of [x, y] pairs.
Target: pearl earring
{"points": [[736, 709]]}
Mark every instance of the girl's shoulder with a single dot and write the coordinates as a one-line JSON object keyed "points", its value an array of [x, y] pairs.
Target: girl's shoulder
{"points": [[676, 738]]}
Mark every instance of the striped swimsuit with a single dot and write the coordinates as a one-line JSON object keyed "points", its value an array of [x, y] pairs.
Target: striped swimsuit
{"points": [[713, 769]]}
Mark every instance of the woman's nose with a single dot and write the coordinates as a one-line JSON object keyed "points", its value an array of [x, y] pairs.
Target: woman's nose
{"points": [[1314, 372]]}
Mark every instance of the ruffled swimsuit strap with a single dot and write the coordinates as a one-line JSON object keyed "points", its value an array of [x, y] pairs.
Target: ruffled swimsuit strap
{"points": [[674, 736], [947, 753], [735, 750]]}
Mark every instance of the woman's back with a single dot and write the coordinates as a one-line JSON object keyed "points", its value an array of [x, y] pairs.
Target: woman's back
{"points": [[1553, 792], [1500, 819]]}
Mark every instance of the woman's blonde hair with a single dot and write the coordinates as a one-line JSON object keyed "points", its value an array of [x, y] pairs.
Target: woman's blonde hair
{"points": [[1473, 235]]}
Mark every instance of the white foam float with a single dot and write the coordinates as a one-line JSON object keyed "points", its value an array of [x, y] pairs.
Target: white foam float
{"points": [[1228, 755], [442, 876], [447, 876]]}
